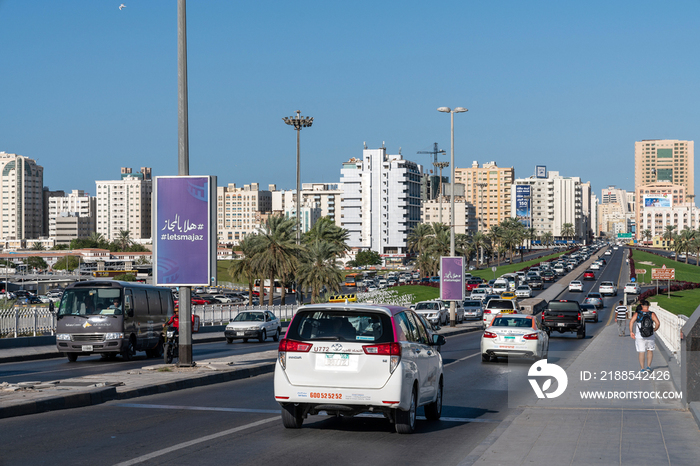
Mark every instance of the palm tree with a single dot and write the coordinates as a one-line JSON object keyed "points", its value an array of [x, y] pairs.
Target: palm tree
{"points": [[419, 238], [123, 240], [241, 270], [480, 242], [568, 231], [669, 235], [275, 252], [319, 268], [326, 230], [37, 246], [685, 239], [547, 238], [646, 234]]}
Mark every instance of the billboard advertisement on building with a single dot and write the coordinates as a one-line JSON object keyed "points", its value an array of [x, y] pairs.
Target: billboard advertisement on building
{"points": [[541, 171], [657, 200], [452, 278], [184, 230], [522, 203]]}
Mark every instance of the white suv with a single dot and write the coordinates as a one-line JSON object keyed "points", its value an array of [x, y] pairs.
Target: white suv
{"points": [[434, 312], [348, 359]]}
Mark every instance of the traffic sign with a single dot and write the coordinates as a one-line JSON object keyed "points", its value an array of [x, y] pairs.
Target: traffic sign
{"points": [[640, 271], [494, 268], [663, 273], [633, 279], [624, 235]]}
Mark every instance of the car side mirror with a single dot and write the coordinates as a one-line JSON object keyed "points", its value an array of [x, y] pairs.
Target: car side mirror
{"points": [[439, 340]]}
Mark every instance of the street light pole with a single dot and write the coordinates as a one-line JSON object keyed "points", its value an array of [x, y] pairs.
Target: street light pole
{"points": [[440, 165], [298, 122], [452, 192]]}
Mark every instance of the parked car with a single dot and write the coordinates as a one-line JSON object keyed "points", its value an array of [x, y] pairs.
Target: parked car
{"points": [[331, 353], [253, 324], [633, 288], [514, 335]]}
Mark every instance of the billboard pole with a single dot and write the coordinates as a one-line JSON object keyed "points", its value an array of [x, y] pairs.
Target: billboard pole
{"points": [[183, 169]]}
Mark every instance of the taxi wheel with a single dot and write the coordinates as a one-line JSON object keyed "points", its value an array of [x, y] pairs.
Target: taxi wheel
{"points": [[291, 416], [485, 357], [406, 420]]}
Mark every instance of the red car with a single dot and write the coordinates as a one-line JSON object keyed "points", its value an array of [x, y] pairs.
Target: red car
{"points": [[471, 284], [588, 275], [195, 301]]}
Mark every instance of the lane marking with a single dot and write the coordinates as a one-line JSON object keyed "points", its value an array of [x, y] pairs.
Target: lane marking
{"points": [[180, 446], [463, 359], [276, 411]]}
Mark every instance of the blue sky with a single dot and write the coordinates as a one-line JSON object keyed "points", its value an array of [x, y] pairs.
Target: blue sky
{"points": [[87, 88]]}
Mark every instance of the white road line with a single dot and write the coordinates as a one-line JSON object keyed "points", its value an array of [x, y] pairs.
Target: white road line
{"points": [[180, 446], [463, 359]]}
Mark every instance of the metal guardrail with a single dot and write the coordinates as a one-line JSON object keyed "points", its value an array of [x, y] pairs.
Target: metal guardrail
{"points": [[36, 321], [670, 328], [26, 321]]}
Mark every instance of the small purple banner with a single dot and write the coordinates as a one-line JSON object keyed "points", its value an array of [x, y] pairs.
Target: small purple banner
{"points": [[452, 278], [182, 231]]}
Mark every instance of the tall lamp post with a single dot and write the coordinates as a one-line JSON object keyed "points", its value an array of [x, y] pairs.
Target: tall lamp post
{"points": [[440, 165], [452, 190], [298, 122]]}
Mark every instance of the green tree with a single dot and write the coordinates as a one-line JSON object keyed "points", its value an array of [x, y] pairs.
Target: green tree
{"points": [[568, 231], [60, 247], [327, 231], [420, 238], [126, 277], [37, 246], [241, 270], [669, 235], [67, 263], [123, 240], [319, 269], [367, 257], [276, 252], [36, 262]]}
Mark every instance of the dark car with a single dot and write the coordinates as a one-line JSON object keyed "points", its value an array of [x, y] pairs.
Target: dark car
{"points": [[548, 276], [23, 294], [588, 275], [31, 299]]}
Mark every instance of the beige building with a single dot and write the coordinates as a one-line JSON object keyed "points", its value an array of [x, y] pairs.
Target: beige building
{"points": [[615, 212], [239, 210], [465, 214], [22, 197], [664, 161], [323, 196], [488, 189], [75, 204], [125, 205], [675, 193]]}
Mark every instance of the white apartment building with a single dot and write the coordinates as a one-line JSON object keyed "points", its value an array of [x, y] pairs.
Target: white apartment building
{"points": [[556, 200], [656, 219], [323, 196], [239, 210], [76, 204], [381, 201], [22, 197], [125, 204], [615, 213]]}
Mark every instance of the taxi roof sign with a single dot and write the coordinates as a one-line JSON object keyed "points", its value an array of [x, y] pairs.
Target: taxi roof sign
{"points": [[341, 298]]}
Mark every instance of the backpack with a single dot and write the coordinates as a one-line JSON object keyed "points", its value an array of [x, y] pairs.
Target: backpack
{"points": [[646, 325]]}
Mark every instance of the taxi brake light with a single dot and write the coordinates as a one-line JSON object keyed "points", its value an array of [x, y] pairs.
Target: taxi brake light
{"points": [[384, 349], [530, 336], [489, 335], [294, 346]]}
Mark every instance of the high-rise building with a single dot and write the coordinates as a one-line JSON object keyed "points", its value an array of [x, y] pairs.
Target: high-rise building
{"points": [[22, 197], [47, 194], [488, 189], [555, 201], [615, 214], [465, 214], [654, 200], [664, 161], [239, 211], [125, 205], [322, 196], [76, 204], [381, 202]]}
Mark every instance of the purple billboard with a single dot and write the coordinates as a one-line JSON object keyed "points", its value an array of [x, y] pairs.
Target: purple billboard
{"points": [[452, 278], [183, 238]]}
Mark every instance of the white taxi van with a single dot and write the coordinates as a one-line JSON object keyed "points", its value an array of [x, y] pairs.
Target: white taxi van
{"points": [[347, 359]]}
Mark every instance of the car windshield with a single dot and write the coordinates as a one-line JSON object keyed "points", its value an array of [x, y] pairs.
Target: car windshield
{"points": [[428, 306], [249, 317], [341, 325], [91, 301], [511, 322]]}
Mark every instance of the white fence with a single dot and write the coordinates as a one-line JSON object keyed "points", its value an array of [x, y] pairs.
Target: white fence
{"points": [[670, 329], [22, 322], [27, 321]]}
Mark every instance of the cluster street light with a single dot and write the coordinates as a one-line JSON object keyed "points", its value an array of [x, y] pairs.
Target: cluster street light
{"points": [[452, 190], [297, 122]]}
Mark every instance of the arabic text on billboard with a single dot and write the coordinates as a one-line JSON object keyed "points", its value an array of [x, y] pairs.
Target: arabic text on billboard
{"points": [[452, 278], [182, 230], [522, 203], [657, 200]]}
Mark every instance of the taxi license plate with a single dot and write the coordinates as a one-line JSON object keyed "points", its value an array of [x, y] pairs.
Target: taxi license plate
{"points": [[337, 359], [87, 348], [561, 324], [510, 338], [240, 334]]}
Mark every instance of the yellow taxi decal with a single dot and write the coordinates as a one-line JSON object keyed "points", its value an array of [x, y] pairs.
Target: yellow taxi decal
{"points": [[340, 298]]}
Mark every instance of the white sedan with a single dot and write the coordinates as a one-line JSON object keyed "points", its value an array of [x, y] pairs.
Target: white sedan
{"points": [[575, 285], [633, 288], [595, 266], [608, 252], [514, 335], [523, 291]]}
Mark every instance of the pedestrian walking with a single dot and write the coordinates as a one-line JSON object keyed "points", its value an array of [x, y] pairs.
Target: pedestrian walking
{"points": [[643, 326], [621, 317]]}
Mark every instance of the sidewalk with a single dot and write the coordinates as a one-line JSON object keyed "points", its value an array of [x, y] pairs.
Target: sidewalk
{"points": [[30, 398], [572, 430]]}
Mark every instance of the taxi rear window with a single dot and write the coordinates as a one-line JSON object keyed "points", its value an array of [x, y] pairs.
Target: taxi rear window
{"points": [[341, 325], [512, 322]]}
